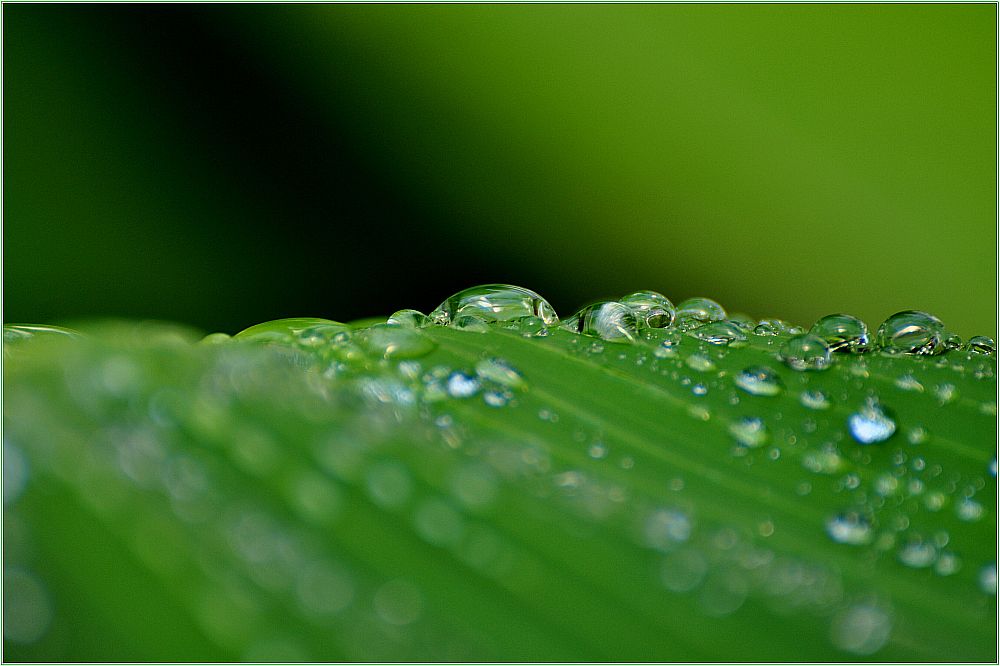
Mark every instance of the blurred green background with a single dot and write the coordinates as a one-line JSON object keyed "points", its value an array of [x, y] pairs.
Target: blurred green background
{"points": [[226, 165]]}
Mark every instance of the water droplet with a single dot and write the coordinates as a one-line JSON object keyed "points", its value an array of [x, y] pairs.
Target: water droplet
{"points": [[470, 324], [815, 399], [666, 527], [683, 571], [969, 510], [988, 579], [309, 331], [699, 389], [500, 371], [749, 431], [953, 341], [861, 629], [917, 435], [871, 423], [993, 467], [759, 380], [981, 344], [918, 553], [699, 363], [911, 332], [653, 310], [215, 339], [947, 564], [15, 333], [408, 319], [608, 320], [744, 321], [697, 311], [805, 352], [719, 333], [843, 332], [771, 327], [462, 385], [391, 341], [597, 451], [494, 303], [497, 398], [908, 382], [850, 528]]}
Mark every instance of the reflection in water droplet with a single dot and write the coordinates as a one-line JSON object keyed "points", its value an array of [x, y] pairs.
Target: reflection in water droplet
{"points": [[850, 528], [843, 332], [697, 311], [911, 332], [719, 333], [749, 431], [608, 320], [759, 380], [871, 424], [494, 303], [860, 629], [805, 352], [653, 310]]}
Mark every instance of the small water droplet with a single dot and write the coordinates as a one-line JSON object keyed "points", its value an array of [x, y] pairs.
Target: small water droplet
{"points": [[850, 528], [908, 382], [969, 510], [814, 399], [744, 321], [917, 435], [309, 331], [699, 389], [982, 344], [653, 310], [719, 333], [497, 398], [945, 393], [391, 341], [861, 629], [597, 451], [842, 332], [699, 363], [501, 372], [408, 319], [911, 332], [771, 327], [805, 352], [462, 385], [749, 431], [871, 423], [759, 380], [988, 579], [918, 553], [947, 564], [608, 320], [697, 311], [494, 303]]}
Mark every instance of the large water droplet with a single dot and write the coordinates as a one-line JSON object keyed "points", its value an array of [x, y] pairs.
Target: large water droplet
{"points": [[871, 424], [981, 344], [494, 302], [850, 528], [609, 320], [652, 309], [719, 333], [843, 332], [749, 431], [805, 352], [697, 311], [759, 380], [911, 332]]}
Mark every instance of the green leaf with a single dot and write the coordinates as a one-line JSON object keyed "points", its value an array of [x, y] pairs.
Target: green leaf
{"points": [[521, 493]]}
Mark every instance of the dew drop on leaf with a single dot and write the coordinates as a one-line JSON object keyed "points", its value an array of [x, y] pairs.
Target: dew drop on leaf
{"points": [[871, 424], [982, 344], [719, 333], [759, 380], [772, 327], [850, 528], [805, 352], [699, 363], [749, 431], [911, 332], [908, 382], [814, 399], [653, 310], [462, 385], [608, 320], [697, 311], [494, 303], [408, 319], [843, 332]]}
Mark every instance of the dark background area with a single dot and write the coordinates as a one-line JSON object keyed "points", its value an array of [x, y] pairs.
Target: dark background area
{"points": [[226, 165]]}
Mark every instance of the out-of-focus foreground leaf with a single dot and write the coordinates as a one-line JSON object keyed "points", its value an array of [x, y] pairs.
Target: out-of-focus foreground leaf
{"points": [[387, 493]]}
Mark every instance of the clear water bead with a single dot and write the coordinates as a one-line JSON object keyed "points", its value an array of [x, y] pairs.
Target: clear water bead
{"points": [[608, 320], [775, 327], [652, 309], [911, 332], [697, 311], [494, 303], [805, 352], [408, 319], [871, 424], [982, 344], [843, 332], [759, 380], [395, 342], [749, 431], [850, 528], [719, 333]]}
